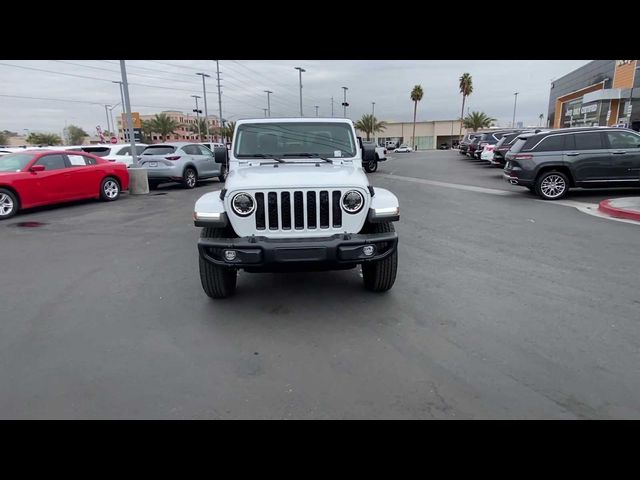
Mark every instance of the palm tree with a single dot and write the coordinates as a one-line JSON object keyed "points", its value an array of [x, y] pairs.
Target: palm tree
{"points": [[416, 96], [227, 130], [370, 125], [466, 88], [164, 125], [147, 130], [541, 117], [476, 120], [199, 128]]}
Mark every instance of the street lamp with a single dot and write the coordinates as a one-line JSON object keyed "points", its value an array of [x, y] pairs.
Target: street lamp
{"points": [[206, 112], [300, 69], [316, 107], [344, 102], [197, 115], [513, 123], [373, 116], [268, 92], [113, 125]]}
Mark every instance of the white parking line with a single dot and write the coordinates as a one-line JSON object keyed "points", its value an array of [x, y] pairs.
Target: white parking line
{"points": [[435, 183], [584, 207]]}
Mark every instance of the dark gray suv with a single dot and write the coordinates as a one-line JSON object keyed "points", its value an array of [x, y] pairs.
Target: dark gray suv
{"points": [[551, 162]]}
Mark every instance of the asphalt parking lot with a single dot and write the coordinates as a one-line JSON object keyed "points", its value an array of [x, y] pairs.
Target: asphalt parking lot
{"points": [[504, 307]]}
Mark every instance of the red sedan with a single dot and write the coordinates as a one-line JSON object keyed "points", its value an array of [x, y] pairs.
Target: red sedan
{"points": [[34, 177]]}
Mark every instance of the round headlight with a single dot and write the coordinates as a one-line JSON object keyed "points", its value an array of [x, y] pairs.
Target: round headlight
{"points": [[243, 204], [352, 201]]}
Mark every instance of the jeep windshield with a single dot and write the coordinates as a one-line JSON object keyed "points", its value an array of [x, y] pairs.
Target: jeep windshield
{"points": [[295, 141]]}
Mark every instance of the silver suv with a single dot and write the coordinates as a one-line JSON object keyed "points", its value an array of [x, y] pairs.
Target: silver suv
{"points": [[180, 162]]}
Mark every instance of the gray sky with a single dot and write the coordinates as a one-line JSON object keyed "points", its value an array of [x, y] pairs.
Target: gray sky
{"points": [[386, 82]]}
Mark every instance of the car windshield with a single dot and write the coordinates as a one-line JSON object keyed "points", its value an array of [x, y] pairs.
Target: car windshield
{"points": [[291, 139], [15, 162]]}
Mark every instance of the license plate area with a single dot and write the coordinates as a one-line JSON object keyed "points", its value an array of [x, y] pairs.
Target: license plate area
{"points": [[312, 254]]}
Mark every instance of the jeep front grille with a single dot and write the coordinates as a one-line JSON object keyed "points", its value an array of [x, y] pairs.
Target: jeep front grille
{"points": [[309, 210]]}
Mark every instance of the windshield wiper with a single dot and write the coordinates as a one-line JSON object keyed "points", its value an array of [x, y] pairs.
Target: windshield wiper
{"points": [[262, 155], [307, 155]]}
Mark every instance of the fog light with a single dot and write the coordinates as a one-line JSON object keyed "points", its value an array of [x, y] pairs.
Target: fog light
{"points": [[368, 250], [230, 255]]}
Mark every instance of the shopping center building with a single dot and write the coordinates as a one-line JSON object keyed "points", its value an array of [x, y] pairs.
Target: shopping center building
{"points": [[597, 94], [429, 134]]}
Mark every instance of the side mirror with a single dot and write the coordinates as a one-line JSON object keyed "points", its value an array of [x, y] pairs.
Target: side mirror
{"points": [[37, 168], [220, 154]]}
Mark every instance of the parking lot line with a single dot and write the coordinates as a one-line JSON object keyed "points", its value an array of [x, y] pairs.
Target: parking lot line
{"points": [[435, 183]]}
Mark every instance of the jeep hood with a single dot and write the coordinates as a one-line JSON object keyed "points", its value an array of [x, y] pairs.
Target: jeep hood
{"points": [[306, 175]]}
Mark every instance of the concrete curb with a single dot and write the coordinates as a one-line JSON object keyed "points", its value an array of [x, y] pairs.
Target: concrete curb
{"points": [[628, 208]]}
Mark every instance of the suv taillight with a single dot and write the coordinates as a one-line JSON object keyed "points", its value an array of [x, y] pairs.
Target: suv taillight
{"points": [[523, 156], [175, 157]]}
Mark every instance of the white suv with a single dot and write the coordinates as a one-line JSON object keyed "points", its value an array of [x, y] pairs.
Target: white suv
{"points": [[296, 198]]}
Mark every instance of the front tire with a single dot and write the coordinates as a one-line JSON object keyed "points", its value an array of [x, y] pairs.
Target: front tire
{"points": [[8, 204], [552, 185], [189, 178], [217, 281], [109, 190], [381, 275], [371, 166]]}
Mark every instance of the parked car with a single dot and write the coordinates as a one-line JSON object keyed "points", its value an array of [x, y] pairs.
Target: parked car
{"points": [[391, 145], [444, 146], [404, 148], [473, 145], [464, 143], [186, 163], [211, 145], [487, 138], [551, 162], [380, 156], [296, 199], [33, 178], [118, 152], [487, 153]]}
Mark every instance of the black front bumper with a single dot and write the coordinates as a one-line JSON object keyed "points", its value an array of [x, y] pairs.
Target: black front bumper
{"points": [[336, 251]]}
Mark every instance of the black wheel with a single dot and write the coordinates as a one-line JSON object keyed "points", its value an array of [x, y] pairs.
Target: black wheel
{"points": [[189, 178], [223, 173], [552, 185], [9, 204], [380, 276], [371, 166], [217, 281], [109, 189]]}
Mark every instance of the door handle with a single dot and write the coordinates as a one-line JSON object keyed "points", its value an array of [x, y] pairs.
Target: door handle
{"points": [[619, 152], [572, 154]]}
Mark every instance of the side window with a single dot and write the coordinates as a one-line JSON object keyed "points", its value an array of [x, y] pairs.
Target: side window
{"points": [[588, 141], [190, 150], [77, 160], [619, 140], [90, 161], [124, 151], [204, 151], [553, 143], [52, 162]]}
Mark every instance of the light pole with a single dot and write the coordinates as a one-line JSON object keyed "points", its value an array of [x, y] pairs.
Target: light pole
{"points": [[515, 101], [344, 102], [106, 112], [113, 125], [316, 107], [219, 98], [127, 107], [268, 92], [300, 69], [265, 112], [206, 112], [197, 115], [331, 106]]}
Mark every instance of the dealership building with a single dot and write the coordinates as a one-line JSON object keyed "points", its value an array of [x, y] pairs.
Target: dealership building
{"points": [[600, 93], [429, 134]]}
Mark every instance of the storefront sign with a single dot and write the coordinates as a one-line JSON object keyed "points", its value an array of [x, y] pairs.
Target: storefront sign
{"points": [[589, 109]]}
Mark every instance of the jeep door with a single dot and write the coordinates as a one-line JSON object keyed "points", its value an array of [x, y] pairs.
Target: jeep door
{"points": [[624, 148], [587, 155]]}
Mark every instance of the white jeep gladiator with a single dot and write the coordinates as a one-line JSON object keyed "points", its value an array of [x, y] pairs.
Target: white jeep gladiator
{"points": [[296, 198]]}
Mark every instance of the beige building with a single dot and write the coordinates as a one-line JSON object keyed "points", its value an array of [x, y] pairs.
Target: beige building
{"points": [[429, 134], [183, 133]]}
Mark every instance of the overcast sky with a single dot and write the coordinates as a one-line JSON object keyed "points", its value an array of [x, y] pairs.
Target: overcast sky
{"points": [[385, 82]]}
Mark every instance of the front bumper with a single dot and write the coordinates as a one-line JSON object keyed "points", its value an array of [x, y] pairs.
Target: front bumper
{"points": [[337, 251]]}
